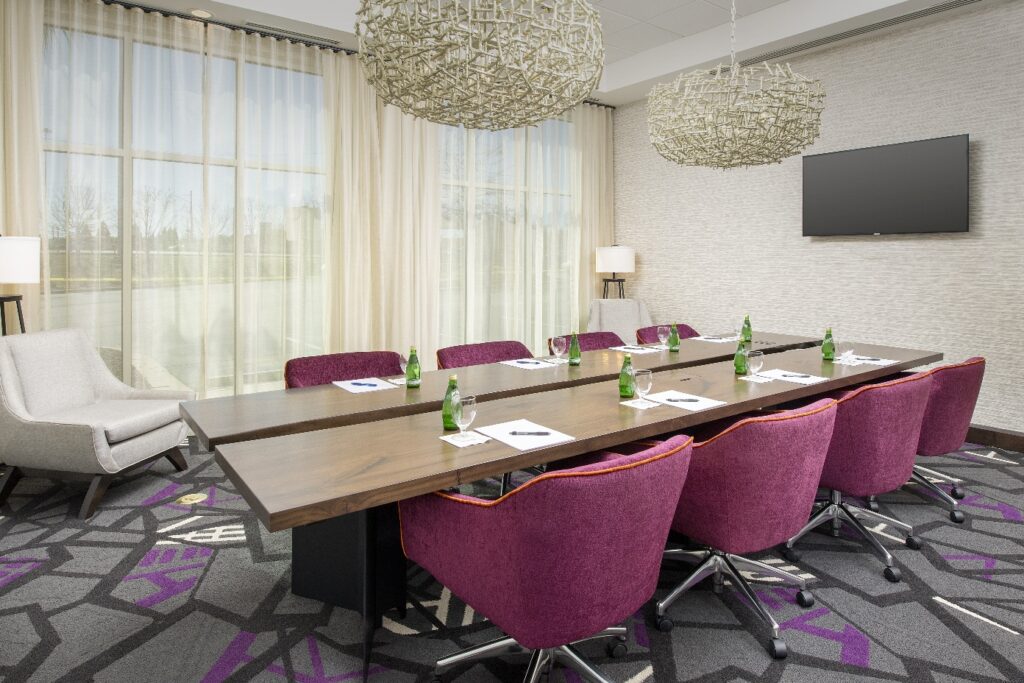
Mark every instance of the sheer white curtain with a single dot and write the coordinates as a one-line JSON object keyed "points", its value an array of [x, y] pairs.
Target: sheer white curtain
{"points": [[200, 152], [522, 212]]}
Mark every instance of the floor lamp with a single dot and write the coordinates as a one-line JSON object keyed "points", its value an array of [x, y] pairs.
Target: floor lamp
{"points": [[19, 265]]}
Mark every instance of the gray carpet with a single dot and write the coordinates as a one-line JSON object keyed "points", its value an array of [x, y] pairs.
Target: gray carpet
{"points": [[150, 590]]}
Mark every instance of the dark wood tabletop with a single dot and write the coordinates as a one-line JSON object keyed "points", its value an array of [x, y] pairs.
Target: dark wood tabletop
{"points": [[304, 478], [217, 421]]}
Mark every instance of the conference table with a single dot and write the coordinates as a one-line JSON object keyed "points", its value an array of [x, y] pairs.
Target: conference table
{"points": [[336, 488]]}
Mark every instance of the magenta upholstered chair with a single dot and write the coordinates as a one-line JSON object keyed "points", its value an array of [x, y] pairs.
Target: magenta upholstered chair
{"points": [[337, 367], [947, 417], [593, 341], [872, 452], [564, 557], [750, 488], [649, 335], [480, 354]]}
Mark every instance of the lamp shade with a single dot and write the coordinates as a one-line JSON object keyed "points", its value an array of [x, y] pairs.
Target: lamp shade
{"points": [[616, 259], [19, 260]]}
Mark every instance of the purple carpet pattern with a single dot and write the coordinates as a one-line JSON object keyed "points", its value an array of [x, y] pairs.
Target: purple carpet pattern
{"points": [[153, 590]]}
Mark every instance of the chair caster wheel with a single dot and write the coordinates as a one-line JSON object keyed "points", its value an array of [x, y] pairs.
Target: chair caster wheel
{"points": [[664, 624], [913, 542], [872, 504], [892, 574], [617, 648], [790, 554], [957, 493], [957, 516], [777, 648], [804, 598]]}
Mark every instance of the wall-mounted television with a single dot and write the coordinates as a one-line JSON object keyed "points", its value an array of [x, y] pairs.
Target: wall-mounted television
{"points": [[903, 188]]}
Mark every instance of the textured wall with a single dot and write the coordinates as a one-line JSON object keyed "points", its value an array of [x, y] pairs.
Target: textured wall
{"points": [[713, 245]]}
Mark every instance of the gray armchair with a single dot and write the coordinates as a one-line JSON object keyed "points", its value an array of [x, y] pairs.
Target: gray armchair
{"points": [[64, 415]]}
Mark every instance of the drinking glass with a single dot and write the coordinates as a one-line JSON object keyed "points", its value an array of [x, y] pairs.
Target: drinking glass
{"points": [[663, 333], [558, 345], [465, 413], [403, 362], [642, 380], [755, 361]]}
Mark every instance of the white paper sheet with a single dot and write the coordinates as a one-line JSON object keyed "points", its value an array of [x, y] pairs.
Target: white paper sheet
{"points": [[872, 360], [465, 439], [503, 433], [361, 386], [660, 347], [640, 350], [791, 376], [557, 361], [527, 364], [689, 402], [639, 404], [400, 381], [756, 379], [717, 339]]}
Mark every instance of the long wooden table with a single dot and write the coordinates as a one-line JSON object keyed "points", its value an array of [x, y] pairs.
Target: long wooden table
{"points": [[336, 488], [291, 411]]}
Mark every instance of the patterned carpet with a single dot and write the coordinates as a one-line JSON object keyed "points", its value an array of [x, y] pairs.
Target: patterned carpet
{"points": [[152, 590]]}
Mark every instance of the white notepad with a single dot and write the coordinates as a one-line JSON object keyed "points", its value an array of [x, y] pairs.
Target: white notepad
{"points": [[634, 349], [717, 339], [503, 433], [527, 364], [678, 399], [755, 379], [361, 386], [791, 376]]}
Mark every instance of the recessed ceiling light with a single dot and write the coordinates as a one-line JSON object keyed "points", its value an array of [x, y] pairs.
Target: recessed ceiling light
{"points": [[201, 13]]}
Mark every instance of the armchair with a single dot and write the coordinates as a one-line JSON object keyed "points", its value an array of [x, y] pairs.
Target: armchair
{"points": [[64, 415]]}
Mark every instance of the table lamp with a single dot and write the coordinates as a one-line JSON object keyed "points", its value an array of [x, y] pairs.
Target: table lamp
{"points": [[615, 259], [19, 265]]}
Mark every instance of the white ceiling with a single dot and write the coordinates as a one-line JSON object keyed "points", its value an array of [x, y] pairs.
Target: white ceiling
{"points": [[646, 41]]}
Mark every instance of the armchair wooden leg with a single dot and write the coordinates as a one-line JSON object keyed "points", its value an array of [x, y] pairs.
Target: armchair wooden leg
{"points": [[9, 476], [177, 459], [97, 487]]}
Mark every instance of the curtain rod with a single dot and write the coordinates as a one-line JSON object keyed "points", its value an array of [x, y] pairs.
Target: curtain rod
{"points": [[333, 47]]}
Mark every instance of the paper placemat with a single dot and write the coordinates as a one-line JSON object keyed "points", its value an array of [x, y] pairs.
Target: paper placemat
{"points": [[465, 439], [790, 376], [678, 399], [639, 404], [756, 379], [538, 436], [361, 386], [633, 349], [527, 364]]}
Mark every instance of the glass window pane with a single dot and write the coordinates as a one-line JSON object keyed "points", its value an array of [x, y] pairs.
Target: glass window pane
{"points": [[81, 88], [167, 100], [283, 117], [83, 241]]}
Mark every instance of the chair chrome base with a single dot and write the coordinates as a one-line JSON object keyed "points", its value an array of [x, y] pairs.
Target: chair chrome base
{"points": [[540, 660], [718, 565], [838, 511], [919, 477]]}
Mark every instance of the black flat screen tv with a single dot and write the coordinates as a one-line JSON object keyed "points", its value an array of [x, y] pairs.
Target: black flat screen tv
{"points": [[903, 188]]}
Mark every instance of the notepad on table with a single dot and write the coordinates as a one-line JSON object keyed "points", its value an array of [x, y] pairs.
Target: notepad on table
{"points": [[790, 376], [524, 435], [527, 364], [717, 339], [685, 401], [626, 348], [755, 379], [361, 386]]}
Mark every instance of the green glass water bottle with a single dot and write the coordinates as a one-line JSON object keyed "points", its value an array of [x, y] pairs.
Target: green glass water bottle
{"points": [[574, 350], [673, 338], [451, 397], [747, 335], [828, 345], [412, 369], [739, 361], [627, 378]]}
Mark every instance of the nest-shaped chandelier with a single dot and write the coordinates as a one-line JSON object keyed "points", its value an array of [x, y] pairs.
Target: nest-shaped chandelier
{"points": [[490, 64], [736, 115]]}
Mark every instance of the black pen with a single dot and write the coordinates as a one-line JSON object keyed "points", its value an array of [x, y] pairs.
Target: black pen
{"points": [[363, 384], [804, 376], [683, 400], [529, 433], [863, 358], [529, 362]]}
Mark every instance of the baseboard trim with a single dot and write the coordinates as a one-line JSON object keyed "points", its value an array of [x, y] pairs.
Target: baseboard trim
{"points": [[996, 437]]}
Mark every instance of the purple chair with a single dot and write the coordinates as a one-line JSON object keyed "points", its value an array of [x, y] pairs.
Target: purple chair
{"points": [[480, 354], [649, 335], [947, 417], [750, 488], [563, 558], [311, 371], [592, 341], [872, 452]]}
